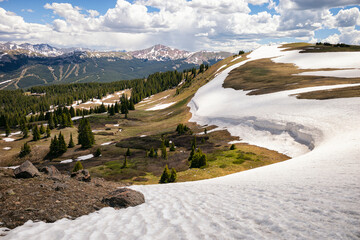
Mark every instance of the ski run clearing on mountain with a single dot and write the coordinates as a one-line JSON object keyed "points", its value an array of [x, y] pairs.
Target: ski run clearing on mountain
{"points": [[315, 195]]}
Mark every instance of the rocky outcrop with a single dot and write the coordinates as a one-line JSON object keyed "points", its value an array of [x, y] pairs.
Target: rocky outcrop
{"points": [[123, 198], [51, 171], [82, 175], [26, 170]]}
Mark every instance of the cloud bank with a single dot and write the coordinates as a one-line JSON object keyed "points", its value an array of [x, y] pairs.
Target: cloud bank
{"points": [[194, 25]]}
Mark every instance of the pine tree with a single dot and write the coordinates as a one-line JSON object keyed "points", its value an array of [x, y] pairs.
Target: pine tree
{"points": [[165, 175], [173, 176], [77, 167], [86, 136], [62, 148], [51, 123], [198, 160], [125, 164], [72, 111], [25, 131], [54, 146], [71, 142], [172, 147], [193, 143], [191, 153], [128, 153], [112, 110], [163, 151], [152, 153], [48, 131], [36, 133], [156, 153], [7, 129], [25, 150], [205, 131], [42, 129], [232, 147], [97, 153]]}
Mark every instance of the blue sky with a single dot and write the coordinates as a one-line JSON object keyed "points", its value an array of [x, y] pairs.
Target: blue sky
{"points": [[188, 24]]}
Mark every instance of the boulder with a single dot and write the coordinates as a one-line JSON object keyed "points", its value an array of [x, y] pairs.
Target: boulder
{"points": [[123, 198], [82, 175], [26, 170], [51, 171]]}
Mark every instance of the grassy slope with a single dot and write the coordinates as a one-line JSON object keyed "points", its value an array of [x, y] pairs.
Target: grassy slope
{"points": [[153, 124], [264, 76]]}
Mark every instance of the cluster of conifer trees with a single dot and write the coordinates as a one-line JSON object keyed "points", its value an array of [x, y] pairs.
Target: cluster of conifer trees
{"points": [[17, 105], [167, 176]]}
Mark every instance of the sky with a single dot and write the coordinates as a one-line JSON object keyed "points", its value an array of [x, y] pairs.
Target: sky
{"points": [[216, 25]]}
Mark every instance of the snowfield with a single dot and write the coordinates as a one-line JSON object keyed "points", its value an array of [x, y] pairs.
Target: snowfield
{"points": [[315, 195]]}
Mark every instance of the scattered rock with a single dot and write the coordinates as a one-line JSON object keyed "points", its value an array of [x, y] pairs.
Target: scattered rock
{"points": [[26, 170], [82, 175], [10, 192], [60, 186], [51, 171], [123, 198]]}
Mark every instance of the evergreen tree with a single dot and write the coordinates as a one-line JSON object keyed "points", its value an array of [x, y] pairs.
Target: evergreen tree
{"points": [[112, 110], [131, 105], [125, 164], [191, 153], [86, 136], [156, 153], [71, 142], [172, 147], [25, 150], [205, 131], [72, 111], [202, 67], [193, 143], [152, 153], [165, 175], [173, 176], [77, 167], [232, 147], [198, 160], [51, 123], [163, 151], [42, 129], [7, 129], [62, 148], [48, 131], [54, 146], [128, 153], [25, 131], [36, 133], [97, 153]]}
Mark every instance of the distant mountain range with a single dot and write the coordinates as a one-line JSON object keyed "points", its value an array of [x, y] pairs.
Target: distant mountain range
{"points": [[25, 65]]}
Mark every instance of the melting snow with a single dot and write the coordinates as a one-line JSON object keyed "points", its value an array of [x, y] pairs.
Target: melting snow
{"points": [[8, 139], [85, 157], [7, 148], [67, 161], [106, 143], [160, 106]]}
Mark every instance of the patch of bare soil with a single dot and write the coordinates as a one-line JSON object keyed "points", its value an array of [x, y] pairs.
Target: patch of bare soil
{"points": [[48, 199]]}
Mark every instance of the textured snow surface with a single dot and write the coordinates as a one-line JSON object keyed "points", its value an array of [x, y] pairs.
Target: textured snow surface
{"points": [[7, 148], [315, 195]]}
